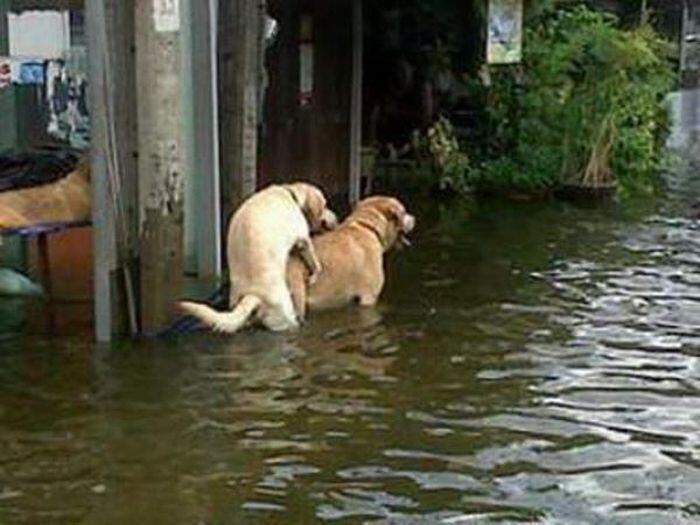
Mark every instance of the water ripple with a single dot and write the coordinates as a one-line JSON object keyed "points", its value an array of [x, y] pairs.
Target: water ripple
{"points": [[539, 365]]}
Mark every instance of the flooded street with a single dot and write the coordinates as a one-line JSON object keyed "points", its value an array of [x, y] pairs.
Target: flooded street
{"points": [[529, 362]]}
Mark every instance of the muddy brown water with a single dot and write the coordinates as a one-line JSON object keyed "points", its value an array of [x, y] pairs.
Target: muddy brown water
{"points": [[529, 362]]}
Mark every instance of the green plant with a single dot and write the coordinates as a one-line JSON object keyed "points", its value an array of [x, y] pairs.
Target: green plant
{"points": [[448, 160], [584, 108]]}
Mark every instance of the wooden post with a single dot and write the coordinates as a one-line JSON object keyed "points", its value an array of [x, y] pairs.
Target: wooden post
{"points": [[113, 121], [161, 158], [124, 119], [356, 103], [239, 30]]}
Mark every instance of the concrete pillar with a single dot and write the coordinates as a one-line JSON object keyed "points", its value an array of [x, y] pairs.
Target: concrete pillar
{"points": [[158, 40]]}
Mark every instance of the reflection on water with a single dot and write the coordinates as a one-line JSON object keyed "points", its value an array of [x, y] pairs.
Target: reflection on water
{"points": [[529, 363]]}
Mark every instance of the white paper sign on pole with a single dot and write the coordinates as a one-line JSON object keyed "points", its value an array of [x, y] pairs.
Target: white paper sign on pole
{"points": [[166, 15]]}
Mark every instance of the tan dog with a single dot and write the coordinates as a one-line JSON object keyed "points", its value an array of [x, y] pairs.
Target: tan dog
{"points": [[352, 257], [262, 233], [66, 200]]}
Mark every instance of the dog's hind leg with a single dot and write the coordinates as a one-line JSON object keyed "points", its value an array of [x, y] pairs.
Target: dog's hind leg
{"points": [[298, 289], [307, 252], [368, 299], [280, 316]]}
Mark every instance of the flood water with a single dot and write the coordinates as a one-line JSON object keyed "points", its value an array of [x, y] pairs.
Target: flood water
{"points": [[529, 362]]}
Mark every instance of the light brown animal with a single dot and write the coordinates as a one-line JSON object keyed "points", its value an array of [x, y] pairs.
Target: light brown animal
{"points": [[66, 200], [352, 256], [261, 235]]}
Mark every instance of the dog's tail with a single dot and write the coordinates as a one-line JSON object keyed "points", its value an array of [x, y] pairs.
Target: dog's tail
{"points": [[223, 322]]}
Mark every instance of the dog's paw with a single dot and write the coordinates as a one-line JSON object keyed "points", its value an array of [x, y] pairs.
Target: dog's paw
{"points": [[313, 277]]}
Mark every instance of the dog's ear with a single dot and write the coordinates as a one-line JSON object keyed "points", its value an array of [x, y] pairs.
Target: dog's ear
{"points": [[299, 192], [395, 211], [315, 203], [397, 214], [389, 207]]}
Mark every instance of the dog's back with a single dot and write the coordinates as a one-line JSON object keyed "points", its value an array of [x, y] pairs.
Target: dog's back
{"points": [[351, 266], [261, 235]]}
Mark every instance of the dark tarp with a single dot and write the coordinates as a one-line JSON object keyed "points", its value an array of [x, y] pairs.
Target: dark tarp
{"points": [[36, 167]]}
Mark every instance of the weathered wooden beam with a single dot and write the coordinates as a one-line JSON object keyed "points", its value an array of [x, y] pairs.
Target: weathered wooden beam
{"points": [[161, 158], [122, 91], [113, 123], [356, 102], [239, 51]]}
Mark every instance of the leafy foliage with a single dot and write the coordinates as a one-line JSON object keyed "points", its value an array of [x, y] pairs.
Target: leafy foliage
{"points": [[585, 107], [449, 161]]}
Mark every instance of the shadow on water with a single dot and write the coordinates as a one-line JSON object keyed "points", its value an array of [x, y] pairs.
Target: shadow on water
{"points": [[528, 363]]}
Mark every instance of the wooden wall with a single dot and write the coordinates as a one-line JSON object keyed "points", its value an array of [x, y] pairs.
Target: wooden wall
{"points": [[311, 143]]}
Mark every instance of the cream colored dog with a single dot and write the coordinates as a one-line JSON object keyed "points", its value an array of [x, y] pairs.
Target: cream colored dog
{"points": [[261, 235], [352, 256]]}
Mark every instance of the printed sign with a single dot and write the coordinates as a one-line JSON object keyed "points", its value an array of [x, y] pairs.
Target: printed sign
{"points": [[66, 98], [505, 32], [5, 72], [31, 72], [166, 15]]}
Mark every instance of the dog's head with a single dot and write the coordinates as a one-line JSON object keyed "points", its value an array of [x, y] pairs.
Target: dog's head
{"points": [[313, 203], [388, 217]]}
